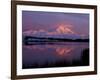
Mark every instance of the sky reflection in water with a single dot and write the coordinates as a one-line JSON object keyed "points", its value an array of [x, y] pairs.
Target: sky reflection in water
{"points": [[68, 51]]}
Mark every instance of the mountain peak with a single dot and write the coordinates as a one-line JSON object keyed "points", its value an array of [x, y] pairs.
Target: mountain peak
{"points": [[64, 29]]}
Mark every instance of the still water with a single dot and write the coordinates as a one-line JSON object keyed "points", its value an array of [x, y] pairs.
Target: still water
{"points": [[57, 54]]}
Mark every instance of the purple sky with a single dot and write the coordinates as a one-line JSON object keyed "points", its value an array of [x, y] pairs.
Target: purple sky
{"points": [[67, 24]]}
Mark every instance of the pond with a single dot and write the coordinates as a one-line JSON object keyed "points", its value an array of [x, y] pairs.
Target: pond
{"points": [[55, 54]]}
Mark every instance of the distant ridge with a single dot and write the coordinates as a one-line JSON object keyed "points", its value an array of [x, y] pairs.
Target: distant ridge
{"points": [[32, 39]]}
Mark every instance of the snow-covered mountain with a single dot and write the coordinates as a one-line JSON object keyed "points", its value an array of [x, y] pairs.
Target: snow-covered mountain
{"points": [[59, 32]]}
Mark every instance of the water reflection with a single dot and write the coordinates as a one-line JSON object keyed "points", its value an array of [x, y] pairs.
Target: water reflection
{"points": [[62, 51], [58, 50], [40, 56]]}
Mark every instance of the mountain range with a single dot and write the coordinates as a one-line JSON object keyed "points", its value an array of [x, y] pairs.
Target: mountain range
{"points": [[59, 32]]}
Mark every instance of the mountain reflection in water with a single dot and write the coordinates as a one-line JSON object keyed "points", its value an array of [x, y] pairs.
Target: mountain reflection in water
{"points": [[59, 54]]}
